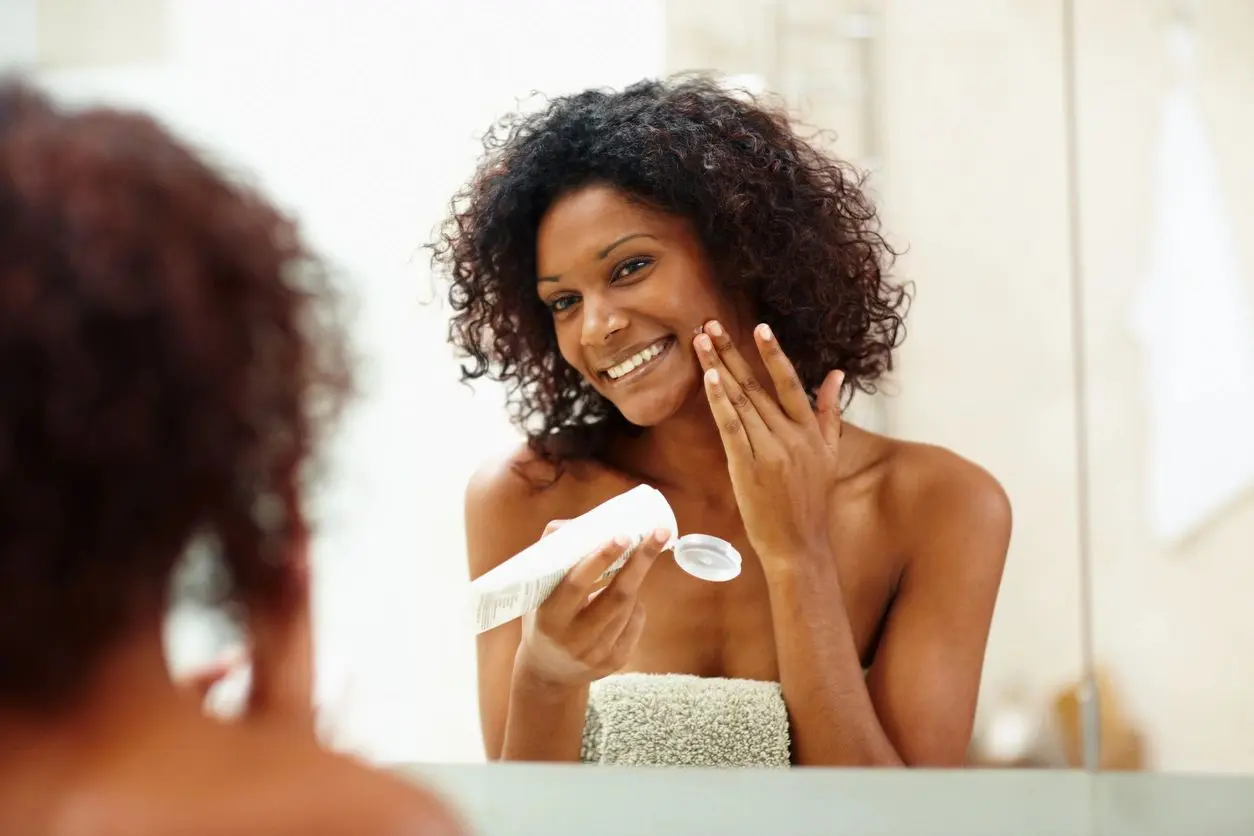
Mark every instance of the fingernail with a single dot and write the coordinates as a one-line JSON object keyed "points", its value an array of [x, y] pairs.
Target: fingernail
{"points": [[764, 331], [714, 328], [621, 542], [711, 376], [661, 536], [704, 343]]}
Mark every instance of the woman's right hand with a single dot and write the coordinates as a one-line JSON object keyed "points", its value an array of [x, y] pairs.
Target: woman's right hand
{"points": [[581, 632]]}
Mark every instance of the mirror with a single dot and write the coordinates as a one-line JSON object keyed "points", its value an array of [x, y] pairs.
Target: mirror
{"points": [[1028, 235], [350, 121]]}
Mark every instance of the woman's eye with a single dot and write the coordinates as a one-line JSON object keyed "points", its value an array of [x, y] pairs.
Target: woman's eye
{"points": [[561, 303], [630, 266]]}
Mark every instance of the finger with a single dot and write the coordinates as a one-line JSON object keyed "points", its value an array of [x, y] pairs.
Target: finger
{"points": [[606, 633], [571, 594], [744, 375], [553, 525], [628, 638], [730, 424], [788, 386], [830, 419], [755, 427], [620, 594]]}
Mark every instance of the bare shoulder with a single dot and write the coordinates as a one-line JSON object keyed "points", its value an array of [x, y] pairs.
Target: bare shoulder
{"points": [[314, 791], [511, 498], [254, 782], [516, 481], [365, 801], [936, 496], [927, 476]]}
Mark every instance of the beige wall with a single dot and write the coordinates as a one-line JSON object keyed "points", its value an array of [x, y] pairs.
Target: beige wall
{"points": [[970, 98], [1174, 623]]}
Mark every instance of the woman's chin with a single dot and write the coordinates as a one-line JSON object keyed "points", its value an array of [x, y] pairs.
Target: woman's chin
{"points": [[653, 408]]}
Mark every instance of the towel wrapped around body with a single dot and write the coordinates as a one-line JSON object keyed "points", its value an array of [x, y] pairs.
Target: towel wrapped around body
{"points": [[639, 719]]}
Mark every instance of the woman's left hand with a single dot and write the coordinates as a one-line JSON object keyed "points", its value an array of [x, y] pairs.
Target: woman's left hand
{"points": [[781, 455]]}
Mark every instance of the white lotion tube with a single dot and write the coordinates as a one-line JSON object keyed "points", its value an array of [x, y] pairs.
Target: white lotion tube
{"points": [[522, 583]]}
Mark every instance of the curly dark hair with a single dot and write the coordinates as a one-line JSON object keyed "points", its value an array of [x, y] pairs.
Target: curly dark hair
{"points": [[788, 229], [170, 355]]}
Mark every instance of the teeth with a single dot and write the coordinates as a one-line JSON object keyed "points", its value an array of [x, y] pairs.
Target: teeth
{"points": [[635, 361]]}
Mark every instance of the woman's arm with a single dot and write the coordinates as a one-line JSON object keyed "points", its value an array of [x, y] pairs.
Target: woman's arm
{"points": [[917, 705], [522, 717], [953, 521]]}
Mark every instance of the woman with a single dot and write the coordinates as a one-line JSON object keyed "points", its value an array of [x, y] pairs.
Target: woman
{"points": [[167, 372], [678, 290]]}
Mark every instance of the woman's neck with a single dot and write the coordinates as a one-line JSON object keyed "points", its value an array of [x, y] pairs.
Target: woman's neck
{"points": [[129, 694], [685, 453]]}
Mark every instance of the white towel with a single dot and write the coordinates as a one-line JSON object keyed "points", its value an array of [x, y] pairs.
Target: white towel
{"points": [[682, 720], [1195, 320]]}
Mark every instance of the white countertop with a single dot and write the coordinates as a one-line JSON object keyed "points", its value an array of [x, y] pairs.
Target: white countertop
{"points": [[571, 800]]}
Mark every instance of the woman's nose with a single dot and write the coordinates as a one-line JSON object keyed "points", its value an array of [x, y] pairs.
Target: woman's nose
{"points": [[600, 323]]}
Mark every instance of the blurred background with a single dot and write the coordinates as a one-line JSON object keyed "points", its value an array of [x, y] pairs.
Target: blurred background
{"points": [[1067, 177]]}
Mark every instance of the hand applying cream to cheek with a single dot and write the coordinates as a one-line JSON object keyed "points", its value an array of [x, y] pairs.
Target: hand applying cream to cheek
{"points": [[782, 457]]}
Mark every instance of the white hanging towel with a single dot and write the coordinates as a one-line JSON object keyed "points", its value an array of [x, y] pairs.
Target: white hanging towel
{"points": [[1194, 318]]}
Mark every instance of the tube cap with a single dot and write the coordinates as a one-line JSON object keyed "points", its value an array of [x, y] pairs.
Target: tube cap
{"points": [[707, 558]]}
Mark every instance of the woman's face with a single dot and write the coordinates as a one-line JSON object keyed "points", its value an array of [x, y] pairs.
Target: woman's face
{"points": [[627, 287]]}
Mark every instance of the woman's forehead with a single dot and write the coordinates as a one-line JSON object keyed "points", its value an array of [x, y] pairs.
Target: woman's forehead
{"points": [[583, 225]]}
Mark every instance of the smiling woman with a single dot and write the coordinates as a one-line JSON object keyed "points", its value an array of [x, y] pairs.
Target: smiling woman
{"points": [[619, 310], [679, 291], [627, 363]]}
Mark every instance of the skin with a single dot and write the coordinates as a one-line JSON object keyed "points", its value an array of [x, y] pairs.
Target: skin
{"points": [[118, 762], [859, 550]]}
